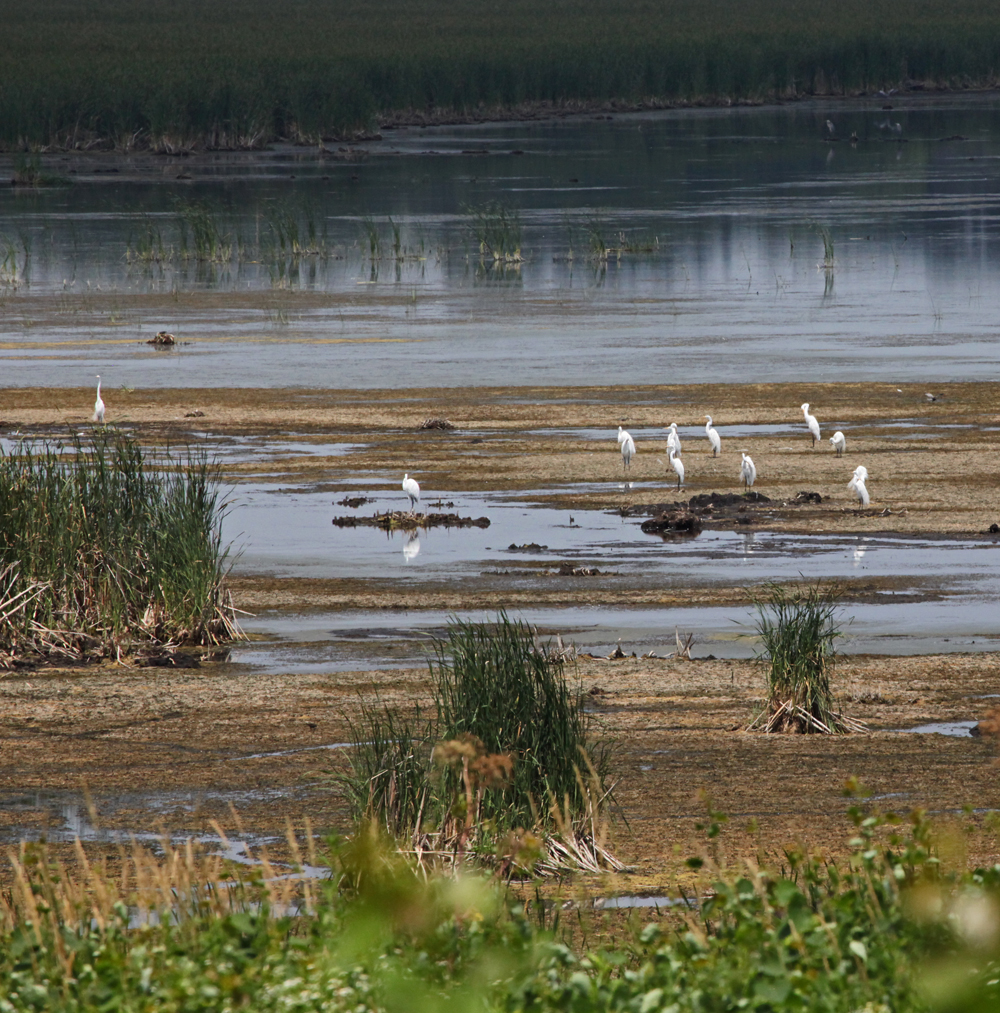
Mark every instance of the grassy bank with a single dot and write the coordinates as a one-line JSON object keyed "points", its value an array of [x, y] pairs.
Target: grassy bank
{"points": [[241, 74]]}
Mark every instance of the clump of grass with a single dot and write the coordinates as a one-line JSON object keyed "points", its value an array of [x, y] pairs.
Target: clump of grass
{"points": [[497, 230], [493, 682], [797, 632], [148, 247], [28, 172], [508, 747], [103, 552], [209, 243]]}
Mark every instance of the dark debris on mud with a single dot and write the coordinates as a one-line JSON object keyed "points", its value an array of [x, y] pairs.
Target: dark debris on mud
{"points": [[400, 520]]}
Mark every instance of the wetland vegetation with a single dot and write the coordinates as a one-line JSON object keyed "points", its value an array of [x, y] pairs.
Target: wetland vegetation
{"points": [[211, 74], [105, 550], [892, 928]]}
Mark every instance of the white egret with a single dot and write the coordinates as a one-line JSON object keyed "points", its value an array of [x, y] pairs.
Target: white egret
{"points": [[831, 127], [811, 423], [621, 435], [99, 404], [860, 490], [839, 442], [713, 437], [748, 470], [673, 439], [628, 450], [861, 472], [412, 489], [678, 466]]}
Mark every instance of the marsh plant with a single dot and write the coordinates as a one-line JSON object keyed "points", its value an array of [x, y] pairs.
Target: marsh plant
{"points": [[105, 551], [508, 747], [497, 231], [893, 926], [202, 237], [797, 631]]}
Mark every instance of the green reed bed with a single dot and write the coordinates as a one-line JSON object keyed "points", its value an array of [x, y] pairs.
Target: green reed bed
{"points": [[170, 76], [105, 550]]}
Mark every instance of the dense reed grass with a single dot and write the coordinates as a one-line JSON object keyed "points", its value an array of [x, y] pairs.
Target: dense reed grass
{"points": [[104, 551], [224, 75], [508, 747], [797, 633]]}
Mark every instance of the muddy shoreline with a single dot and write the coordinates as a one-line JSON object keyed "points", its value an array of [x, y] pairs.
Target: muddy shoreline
{"points": [[177, 749]]}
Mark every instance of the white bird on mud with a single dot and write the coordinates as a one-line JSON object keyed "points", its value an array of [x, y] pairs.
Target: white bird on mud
{"points": [[860, 489], [628, 449], [412, 489], [748, 470], [713, 437], [861, 472], [99, 404], [811, 422], [839, 442], [673, 440], [621, 435], [678, 466]]}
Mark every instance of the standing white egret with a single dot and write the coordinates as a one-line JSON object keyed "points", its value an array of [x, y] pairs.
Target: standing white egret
{"points": [[748, 470], [811, 423], [99, 404], [860, 489], [412, 489], [713, 437], [839, 442], [831, 127], [673, 439], [621, 436], [628, 449], [678, 466], [861, 472]]}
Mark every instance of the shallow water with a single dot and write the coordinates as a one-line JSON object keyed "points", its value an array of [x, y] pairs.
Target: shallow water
{"points": [[726, 205]]}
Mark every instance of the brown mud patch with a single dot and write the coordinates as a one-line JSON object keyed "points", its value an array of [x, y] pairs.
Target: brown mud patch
{"points": [[174, 749]]}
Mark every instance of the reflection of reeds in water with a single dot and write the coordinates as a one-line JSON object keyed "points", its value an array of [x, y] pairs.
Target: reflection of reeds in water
{"points": [[104, 552]]}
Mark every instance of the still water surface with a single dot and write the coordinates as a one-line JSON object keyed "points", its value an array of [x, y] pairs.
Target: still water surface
{"points": [[726, 210]]}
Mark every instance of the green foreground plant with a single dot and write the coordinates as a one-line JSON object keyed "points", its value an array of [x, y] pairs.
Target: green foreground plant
{"points": [[104, 550], [888, 929]]}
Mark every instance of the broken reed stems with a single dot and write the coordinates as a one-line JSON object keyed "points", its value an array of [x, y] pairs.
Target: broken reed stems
{"points": [[103, 551]]}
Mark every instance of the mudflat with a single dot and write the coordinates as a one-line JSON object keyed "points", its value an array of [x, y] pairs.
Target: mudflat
{"points": [[179, 747]]}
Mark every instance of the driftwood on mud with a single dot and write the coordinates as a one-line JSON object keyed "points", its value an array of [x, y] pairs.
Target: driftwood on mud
{"points": [[401, 520]]}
